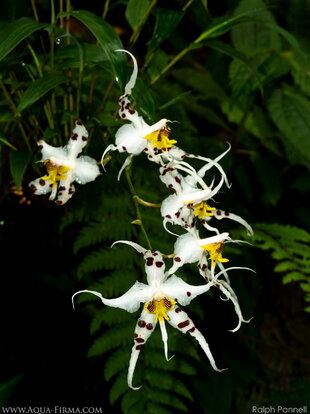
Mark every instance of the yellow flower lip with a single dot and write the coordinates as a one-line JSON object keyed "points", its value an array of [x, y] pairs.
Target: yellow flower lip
{"points": [[160, 139], [202, 210], [160, 307]]}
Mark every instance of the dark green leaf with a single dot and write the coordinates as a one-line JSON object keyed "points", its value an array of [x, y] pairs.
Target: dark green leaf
{"points": [[166, 21], [11, 35], [254, 35], [290, 112], [39, 88], [221, 25], [6, 142], [108, 39], [135, 11], [18, 164]]}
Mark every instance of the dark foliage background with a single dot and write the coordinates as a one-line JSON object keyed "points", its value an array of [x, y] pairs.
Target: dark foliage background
{"points": [[247, 84]]}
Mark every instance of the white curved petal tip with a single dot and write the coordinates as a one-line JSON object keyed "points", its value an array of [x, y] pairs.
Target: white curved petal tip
{"points": [[83, 291], [238, 326], [221, 370], [136, 246], [134, 388]]}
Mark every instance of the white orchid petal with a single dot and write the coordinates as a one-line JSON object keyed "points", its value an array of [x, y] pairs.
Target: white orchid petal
{"points": [[129, 301], [78, 140], [206, 167], [220, 214], [180, 320], [136, 246], [144, 328], [110, 147], [130, 137], [175, 288], [187, 250], [133, 78], [213, 239], [40, 186], [66, 189], [126, 163], [165, 221], [164, 336], [86, 170], [49, 151]]}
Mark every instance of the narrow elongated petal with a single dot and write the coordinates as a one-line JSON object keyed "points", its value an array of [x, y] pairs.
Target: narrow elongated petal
{"points": [[220, 214], [129, 301], [144, 328], [164, 336], [136, 246], [180, 320]]}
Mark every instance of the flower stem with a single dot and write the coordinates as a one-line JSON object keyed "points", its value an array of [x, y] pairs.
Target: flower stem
{"points": [[170, 64], [134, 197]]}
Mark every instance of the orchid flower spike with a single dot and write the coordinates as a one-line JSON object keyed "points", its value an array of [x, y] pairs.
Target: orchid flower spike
{"points": [[160, 297], [64, 167]]}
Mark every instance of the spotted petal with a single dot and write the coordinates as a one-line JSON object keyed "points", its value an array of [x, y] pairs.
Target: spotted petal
{"points": [[175, 288]]}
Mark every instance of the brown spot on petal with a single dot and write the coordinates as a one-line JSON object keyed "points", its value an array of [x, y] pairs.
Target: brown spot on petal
{"points": [[142, 324], [183, 324], [42, 182], [178, 310], [159, 264], [138, 347], [74, 137], [84, 138], [124, 148], [177, 259], [79, 123], [62, 188], [149, 261], [188, 294], [226, 214], [191, 329], [59, 202], [149, 326], [218, 212]]}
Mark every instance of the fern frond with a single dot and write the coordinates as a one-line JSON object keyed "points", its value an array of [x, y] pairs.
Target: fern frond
{"points": [[103, 258], [117, 362], [290, 248], [166, 381], [116, 226], [118, 388], [114, 337]]}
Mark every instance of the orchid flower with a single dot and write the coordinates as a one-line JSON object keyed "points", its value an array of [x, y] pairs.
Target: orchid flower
{"points": [[189, 201], [161, 297], [64, 167], [190, 249]]}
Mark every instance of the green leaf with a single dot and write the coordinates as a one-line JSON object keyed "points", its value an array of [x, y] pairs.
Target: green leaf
{"points": [[6, 389], [12, 34], [135, 11], [107, 38], [222, 25], [6, 142], [39, 88], [166, 21], [290, 111], [18, 164], [254, 35]]}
